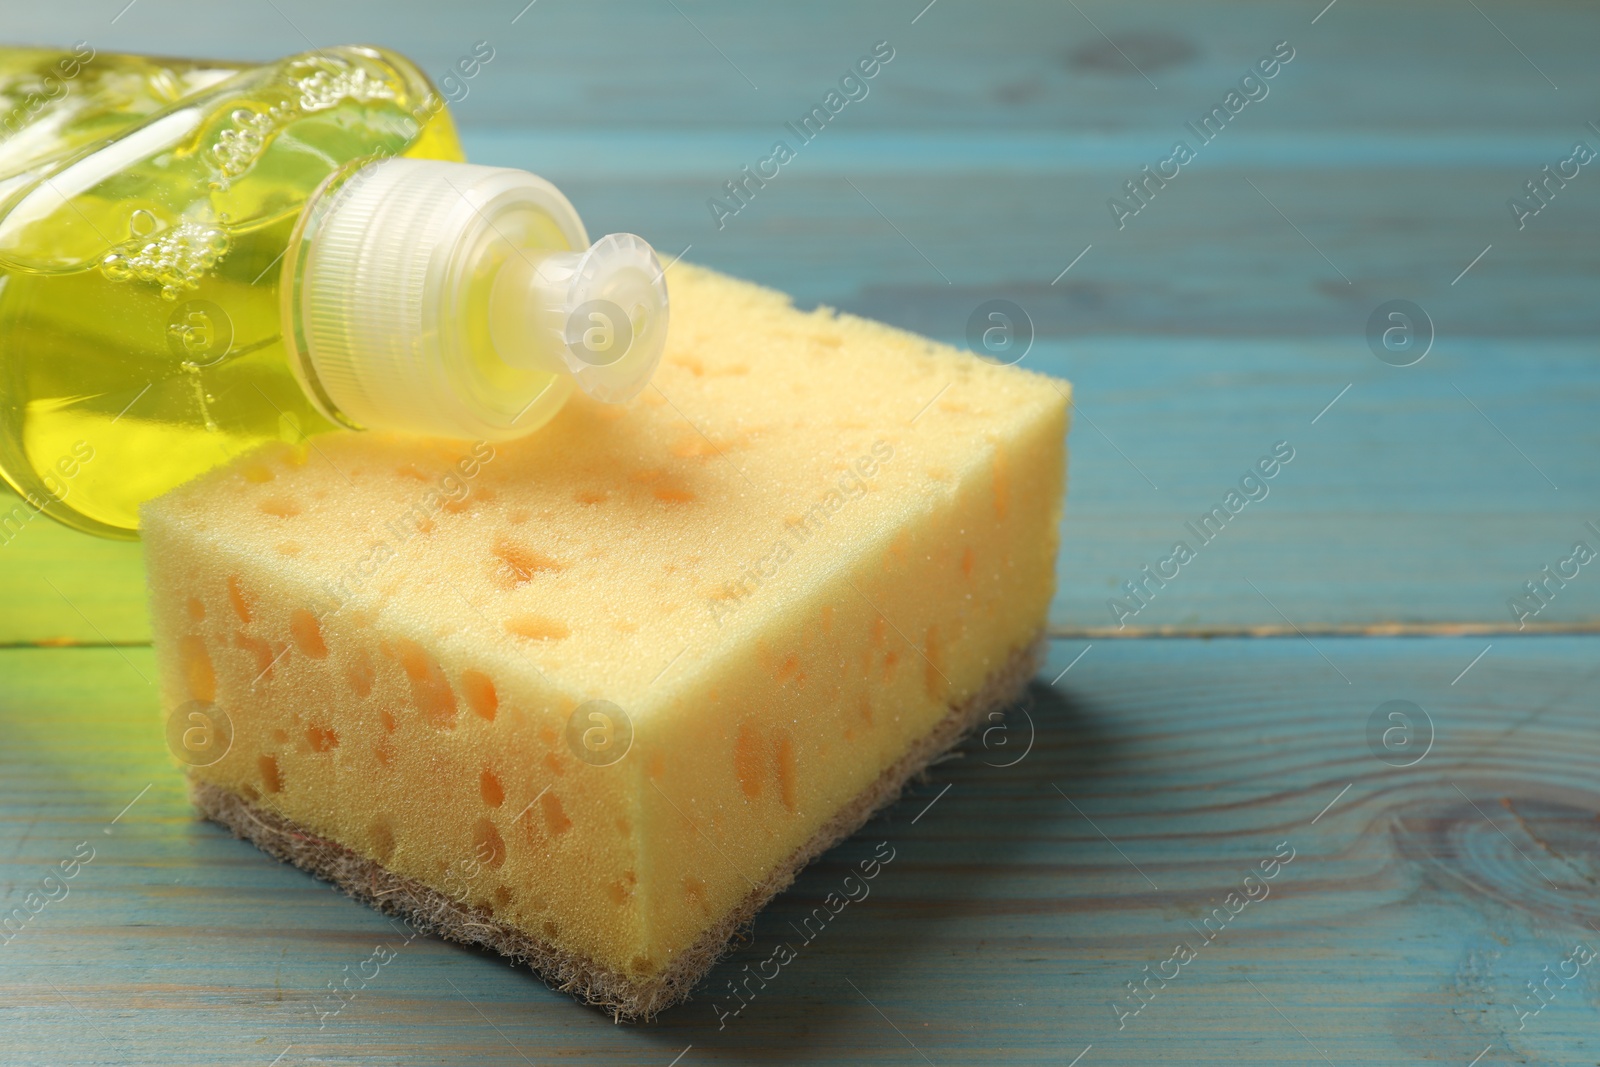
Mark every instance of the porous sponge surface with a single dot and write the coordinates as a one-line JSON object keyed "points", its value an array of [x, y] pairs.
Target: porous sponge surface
{"points": [[782, 564]]}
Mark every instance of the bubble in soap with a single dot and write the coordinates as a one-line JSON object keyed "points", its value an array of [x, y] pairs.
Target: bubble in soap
{"points": [[324, 88], [237, 150], [176, 260]]}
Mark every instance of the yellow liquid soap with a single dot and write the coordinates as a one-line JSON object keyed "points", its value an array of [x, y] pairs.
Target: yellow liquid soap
{"points": [[193, 264]]}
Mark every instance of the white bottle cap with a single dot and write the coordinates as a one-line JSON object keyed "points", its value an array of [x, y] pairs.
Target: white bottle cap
{"points": [[457, 300]]}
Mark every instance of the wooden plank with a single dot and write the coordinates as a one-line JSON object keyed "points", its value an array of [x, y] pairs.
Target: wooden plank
{"points": [[1419, 901], [1035, 64], [1404, 502], [1198, 336], [58, 586], [1426, 494]]}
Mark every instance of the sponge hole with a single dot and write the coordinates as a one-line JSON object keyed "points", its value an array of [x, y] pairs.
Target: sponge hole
{"points": [[241, 607], [487, 844], [430, 691], [321, 738], [519, 563], [198, 674], [538, 628], [489, 785], [555, 816], [271, 778], [307, 634], [479, 690]]}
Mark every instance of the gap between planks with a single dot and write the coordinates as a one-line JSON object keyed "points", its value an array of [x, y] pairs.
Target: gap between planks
{"points": [[1363, 629], [1098, 633]]}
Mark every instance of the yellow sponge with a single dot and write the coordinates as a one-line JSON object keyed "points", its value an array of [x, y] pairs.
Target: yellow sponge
{"points": [[594, 696]]}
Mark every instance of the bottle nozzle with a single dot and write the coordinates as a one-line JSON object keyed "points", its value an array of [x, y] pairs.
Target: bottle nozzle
{"points": [[393, 273], [599, 315]]}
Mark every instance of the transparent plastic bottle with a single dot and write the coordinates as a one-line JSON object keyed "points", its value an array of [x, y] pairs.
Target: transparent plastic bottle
{"points": [[198, 257]]}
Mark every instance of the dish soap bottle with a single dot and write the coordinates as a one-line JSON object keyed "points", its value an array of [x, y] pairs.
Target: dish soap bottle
{"points": [[198, 258]]}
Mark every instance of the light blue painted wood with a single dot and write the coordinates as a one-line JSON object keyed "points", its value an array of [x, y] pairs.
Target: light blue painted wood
{"points": [[1404, 504], [601, 152], [1426, 65], [1414, 910], [1197, 336]]}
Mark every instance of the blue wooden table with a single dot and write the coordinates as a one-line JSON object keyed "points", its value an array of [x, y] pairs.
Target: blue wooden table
{"points": [[1328, 796]]}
